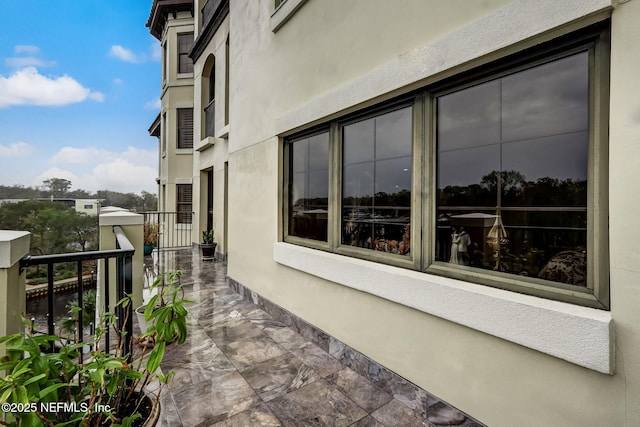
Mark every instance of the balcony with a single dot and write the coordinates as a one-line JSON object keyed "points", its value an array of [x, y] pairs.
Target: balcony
{"points": [[247, 361]]}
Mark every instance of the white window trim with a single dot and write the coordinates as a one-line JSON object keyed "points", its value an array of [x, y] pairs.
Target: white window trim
{"points": [[284, 12], [580, 335]]}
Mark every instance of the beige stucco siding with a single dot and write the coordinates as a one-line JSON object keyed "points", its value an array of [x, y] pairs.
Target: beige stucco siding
{"points": [[286, 80]]}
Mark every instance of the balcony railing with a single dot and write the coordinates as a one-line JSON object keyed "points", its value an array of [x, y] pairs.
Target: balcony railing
{"points": [[174, 228], [122, 254], [210, 113]]}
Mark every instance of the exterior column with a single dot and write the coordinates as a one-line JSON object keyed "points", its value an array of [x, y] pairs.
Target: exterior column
{"points": [[13, 246], [133, 226]]}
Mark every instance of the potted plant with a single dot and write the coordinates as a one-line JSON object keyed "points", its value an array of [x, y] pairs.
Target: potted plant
{"points": [[103, 388], [165, 314], [151, 233], [208, 246]]}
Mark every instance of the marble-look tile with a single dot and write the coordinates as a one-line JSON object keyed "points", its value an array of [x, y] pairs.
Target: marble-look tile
{"points": [[287, 338], [230, 330], [318, 359], [395, 413], [442, 414], [259, 415], [279, 375], [169, 415], [316, 404], [359, 389], [367, 421], [349, 357], [406, 392], [311, 333], [215, 399], [246, 352]]}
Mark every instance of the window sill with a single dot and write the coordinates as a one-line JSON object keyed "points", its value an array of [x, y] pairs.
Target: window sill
{"points": [[580, 335], [207, 142], [284, 12], [184, 76], [223, 133], [183, 151]]}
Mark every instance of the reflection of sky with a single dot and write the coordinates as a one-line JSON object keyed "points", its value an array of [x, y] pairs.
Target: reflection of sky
{"points": [[310, 167], [382, 137], [377, 154], [534, 121]]}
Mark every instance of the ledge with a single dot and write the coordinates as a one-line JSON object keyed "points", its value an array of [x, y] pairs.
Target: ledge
{"points": [[13, 246], [580, 335], [208, 142]]}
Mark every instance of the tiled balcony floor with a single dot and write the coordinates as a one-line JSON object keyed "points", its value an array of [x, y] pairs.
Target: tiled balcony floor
{"points": [[240, 367]]}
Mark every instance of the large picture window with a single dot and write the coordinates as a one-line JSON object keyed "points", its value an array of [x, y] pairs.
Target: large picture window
{"points": [[497, 177]]}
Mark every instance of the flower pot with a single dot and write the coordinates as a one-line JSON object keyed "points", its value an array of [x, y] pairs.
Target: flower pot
{"points": [[148, 248], [208, 250], [144, 325]]}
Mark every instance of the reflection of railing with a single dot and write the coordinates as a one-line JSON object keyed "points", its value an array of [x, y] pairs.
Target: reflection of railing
{"points": [[174, 228], [210, 112], [123, 256]]}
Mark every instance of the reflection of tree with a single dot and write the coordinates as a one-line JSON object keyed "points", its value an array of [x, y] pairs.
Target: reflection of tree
{"points": [[515, 190]]}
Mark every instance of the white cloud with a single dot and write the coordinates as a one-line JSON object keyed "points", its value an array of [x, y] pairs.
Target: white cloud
{"points": [[27, 61], [30, 58], [29, 87], [156, 51], [154, 104], [123, 54], [118, 81], [22, 48], [93, 169], [18, 149]]}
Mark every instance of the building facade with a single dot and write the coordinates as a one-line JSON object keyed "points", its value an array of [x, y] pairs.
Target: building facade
{"points": [[443, 187], [171, 22]]}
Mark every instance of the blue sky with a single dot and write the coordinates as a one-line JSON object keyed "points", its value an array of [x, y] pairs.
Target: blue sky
{"points": [[79, 87]]}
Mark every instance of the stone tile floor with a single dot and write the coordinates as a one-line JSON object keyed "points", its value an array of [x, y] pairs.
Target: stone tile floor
{"points": [[239, 367]]}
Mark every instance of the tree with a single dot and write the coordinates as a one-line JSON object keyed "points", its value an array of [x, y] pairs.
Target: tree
{"points": [[58, 187]]}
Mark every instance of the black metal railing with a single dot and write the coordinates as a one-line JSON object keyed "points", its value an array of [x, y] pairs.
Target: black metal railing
{"points": [[123, 254], [210, 118], [174, 228]]}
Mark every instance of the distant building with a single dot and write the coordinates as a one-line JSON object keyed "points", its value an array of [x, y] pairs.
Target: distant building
{"points": [[86, 206]]}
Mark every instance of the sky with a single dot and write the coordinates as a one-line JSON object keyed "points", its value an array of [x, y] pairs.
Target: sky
{"points": [[79, 88]]}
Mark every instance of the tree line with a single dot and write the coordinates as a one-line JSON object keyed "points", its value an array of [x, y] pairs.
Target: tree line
{"points": [[56, 228], [61, 188]]}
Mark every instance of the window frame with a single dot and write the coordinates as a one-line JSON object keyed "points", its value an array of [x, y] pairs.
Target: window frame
{"points": [[596, 40], [182, 142], [185, 53], [179, 203]]}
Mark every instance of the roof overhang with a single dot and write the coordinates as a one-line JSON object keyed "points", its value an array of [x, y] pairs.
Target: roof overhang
{"points": [[160, 9]]}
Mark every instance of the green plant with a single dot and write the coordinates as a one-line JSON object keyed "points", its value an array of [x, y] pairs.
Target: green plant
{"points": [[207, 237], [69, 323], [151, 233], [106, 388], [166, 312]]}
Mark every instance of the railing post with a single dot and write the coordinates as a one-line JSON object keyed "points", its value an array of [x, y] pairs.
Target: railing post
{"points": [[13, 246], [133, 226]]}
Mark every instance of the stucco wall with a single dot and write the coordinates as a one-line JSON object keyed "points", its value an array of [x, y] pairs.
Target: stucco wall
{"points": [[326, 60]]}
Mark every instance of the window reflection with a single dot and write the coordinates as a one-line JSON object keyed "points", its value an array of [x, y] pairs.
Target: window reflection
{"points": [[309, 187], [376, 177], [512, 173]]}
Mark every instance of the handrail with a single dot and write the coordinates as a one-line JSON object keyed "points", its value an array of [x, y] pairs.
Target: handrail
{"points": [[123, 255]]}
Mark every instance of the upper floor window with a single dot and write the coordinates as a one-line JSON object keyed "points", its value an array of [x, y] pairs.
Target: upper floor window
{"points": [[185, 43], [498, 178], [184, 200], [185, 128]]}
